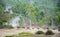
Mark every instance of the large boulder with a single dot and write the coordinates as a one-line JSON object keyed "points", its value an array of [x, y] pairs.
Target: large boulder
{"points": [[58, 28]]}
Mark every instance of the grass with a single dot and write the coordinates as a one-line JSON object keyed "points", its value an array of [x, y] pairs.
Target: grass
{"points": [[23, 34]]}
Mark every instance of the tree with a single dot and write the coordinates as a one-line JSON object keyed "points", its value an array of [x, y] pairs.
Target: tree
{"points": [[4, 17], [57, 17], [1, 12]]}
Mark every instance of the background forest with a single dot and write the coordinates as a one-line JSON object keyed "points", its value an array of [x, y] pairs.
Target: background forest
{"points": [[41, 12]]}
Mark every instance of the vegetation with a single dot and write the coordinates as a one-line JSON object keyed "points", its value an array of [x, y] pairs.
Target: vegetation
{"points": [[49, 32], [27, 34], [23, 34], [38, 13], [8, 36], [41, 12], [39, 32]]}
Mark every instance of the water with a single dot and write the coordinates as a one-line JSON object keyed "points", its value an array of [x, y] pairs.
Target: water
{"points": [[15, 21]]}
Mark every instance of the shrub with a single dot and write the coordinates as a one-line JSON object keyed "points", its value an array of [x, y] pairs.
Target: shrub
{"points": [[39, 32], [49, 32]]}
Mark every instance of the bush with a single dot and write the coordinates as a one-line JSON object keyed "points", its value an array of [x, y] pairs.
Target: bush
{"points": [[49, 32], [39, 32]]}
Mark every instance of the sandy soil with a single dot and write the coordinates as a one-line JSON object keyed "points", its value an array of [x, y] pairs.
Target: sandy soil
{"points": [[4, 32]]}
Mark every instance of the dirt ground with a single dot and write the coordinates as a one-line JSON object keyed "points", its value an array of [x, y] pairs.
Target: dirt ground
{"points": [[4, 32]]}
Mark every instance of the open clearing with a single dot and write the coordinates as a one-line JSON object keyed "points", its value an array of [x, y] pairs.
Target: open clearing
{"points": [[4, 32]]}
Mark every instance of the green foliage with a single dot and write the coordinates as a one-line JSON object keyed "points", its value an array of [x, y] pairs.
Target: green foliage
{"points": [[9, 36], [1, 10], [57, 19], [25, 34], [5, 17], [49, 32], [36, 10], [39, 32]]}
